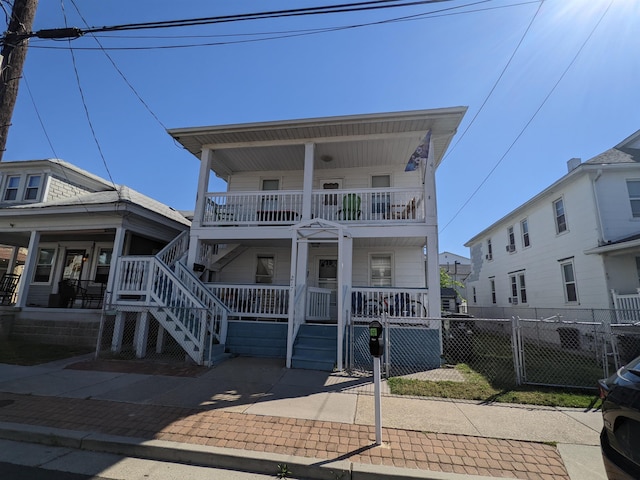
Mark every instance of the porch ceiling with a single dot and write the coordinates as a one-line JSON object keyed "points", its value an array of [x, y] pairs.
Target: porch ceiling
{"points": [[347, 142]]}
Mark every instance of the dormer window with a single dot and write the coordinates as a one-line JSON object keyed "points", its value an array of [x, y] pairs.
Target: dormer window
{"points": [[33, 187], [11, 190]]}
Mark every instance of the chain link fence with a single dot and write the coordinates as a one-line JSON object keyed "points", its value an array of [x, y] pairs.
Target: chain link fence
{"points": [[123, 336], [551, 351]]}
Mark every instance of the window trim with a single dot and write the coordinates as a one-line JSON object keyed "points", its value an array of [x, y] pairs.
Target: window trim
{"points": [[28, 188], [522, 288], [489, 255], [51, 265], [556, 216], [633, 198], [566, 283], [391, 267], [273, 274], [524, 232], [7, 188], [492, 286], [511, 239]]}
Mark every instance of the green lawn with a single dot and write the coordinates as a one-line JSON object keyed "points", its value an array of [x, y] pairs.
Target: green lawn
{"points": [[22, 353], [489, 376]]}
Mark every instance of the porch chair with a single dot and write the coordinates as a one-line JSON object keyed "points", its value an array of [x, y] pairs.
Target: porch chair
{"points": [[8, 285], [409, 211], [350, 207]]}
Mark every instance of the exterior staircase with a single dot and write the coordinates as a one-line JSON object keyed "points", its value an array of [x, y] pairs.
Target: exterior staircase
{"points": [[257, 339], [315, 347]]}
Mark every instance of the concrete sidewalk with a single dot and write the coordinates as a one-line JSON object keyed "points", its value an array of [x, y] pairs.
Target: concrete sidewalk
{"points": [[252, 414]]}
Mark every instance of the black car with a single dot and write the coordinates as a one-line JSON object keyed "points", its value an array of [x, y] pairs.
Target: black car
{"points": [[620, 437]]}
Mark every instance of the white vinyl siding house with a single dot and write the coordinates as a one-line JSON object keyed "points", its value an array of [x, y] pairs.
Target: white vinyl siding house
{"points": [[586, 238], [318, 222]]}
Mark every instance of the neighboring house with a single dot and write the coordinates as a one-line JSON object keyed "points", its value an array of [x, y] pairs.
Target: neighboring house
{"points": [[571, 245], [320, 222], [458, 268], [63, 229]]}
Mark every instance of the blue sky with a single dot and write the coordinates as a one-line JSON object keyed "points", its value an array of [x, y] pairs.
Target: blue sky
{"points": [[450, 59]]}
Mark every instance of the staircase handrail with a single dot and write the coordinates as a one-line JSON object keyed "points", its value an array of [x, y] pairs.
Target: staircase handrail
{"points": [[174, 250], [219, 311], [175, 298]]}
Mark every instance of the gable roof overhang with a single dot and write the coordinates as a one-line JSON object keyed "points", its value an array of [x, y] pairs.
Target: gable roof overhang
{"points": [[341, 142]]}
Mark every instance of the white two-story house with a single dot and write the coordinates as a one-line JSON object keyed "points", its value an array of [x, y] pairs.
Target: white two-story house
{"points": [[321, 221], [575, 245]]}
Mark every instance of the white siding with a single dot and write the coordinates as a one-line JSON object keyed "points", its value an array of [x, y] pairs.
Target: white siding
{"points": [[615, 209]]}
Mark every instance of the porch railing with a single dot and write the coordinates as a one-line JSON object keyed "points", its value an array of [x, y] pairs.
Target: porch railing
{"points": [[394, 302], [253, 301], [627, 306], [372, 205]]}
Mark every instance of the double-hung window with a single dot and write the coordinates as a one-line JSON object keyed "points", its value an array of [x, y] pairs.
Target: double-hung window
{"points": [[33, 187], [44, 266], [381, 271], [633, 187], [524, 228], [511, 238], [569, 280], [11, 188], [492, 283], [518, 288], [489, 250], [560, 217]]}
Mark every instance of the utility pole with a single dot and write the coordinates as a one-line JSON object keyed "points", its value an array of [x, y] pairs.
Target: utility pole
{"points": [[14, 52]]}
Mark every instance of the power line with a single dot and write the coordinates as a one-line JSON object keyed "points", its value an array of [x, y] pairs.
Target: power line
{"points": [[535, 114], [292, 33], [86, 109]]}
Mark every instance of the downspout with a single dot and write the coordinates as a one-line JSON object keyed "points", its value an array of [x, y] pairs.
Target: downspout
{"points": [[601, 239]]}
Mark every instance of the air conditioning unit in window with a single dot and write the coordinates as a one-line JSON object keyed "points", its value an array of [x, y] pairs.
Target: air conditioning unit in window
{"points": [[513, 300], [488, 256], [511, 248]]}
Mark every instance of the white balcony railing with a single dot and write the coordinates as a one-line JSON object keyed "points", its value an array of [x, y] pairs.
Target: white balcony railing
{"points": [[373, 205]]}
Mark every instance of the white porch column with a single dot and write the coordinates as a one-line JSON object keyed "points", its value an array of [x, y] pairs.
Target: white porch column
{"points": [[29, 267], [309, 151], [118, 246], [345, 262], [431, 219], [292, 297], [206, 162]]}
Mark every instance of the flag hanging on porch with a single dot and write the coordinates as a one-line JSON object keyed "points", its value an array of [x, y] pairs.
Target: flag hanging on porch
{"points": [[421, 154]]}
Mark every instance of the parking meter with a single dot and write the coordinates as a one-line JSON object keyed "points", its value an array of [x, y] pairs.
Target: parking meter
{"points": [[376, 340]]}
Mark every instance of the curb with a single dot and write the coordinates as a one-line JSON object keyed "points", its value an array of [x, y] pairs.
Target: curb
{"points": [[226, 458]]}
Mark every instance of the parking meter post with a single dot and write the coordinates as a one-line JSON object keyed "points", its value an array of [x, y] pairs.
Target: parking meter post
{"points": [[378, 399], [376, 348]]}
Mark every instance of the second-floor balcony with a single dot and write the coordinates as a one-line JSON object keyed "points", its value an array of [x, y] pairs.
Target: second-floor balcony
{"points": [[285, 207]]}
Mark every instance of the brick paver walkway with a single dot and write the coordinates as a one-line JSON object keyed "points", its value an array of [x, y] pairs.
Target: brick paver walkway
{"points": [[306, 438]]}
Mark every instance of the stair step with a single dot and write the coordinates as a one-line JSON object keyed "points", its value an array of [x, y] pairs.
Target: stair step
{"points": [[304, 362]]}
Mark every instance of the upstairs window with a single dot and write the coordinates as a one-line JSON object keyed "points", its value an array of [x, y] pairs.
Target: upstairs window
{"points": [[561, 220], [33, 187], [633, 187], [511, 240], [11, 190], [489, 250], [524, 228]]}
